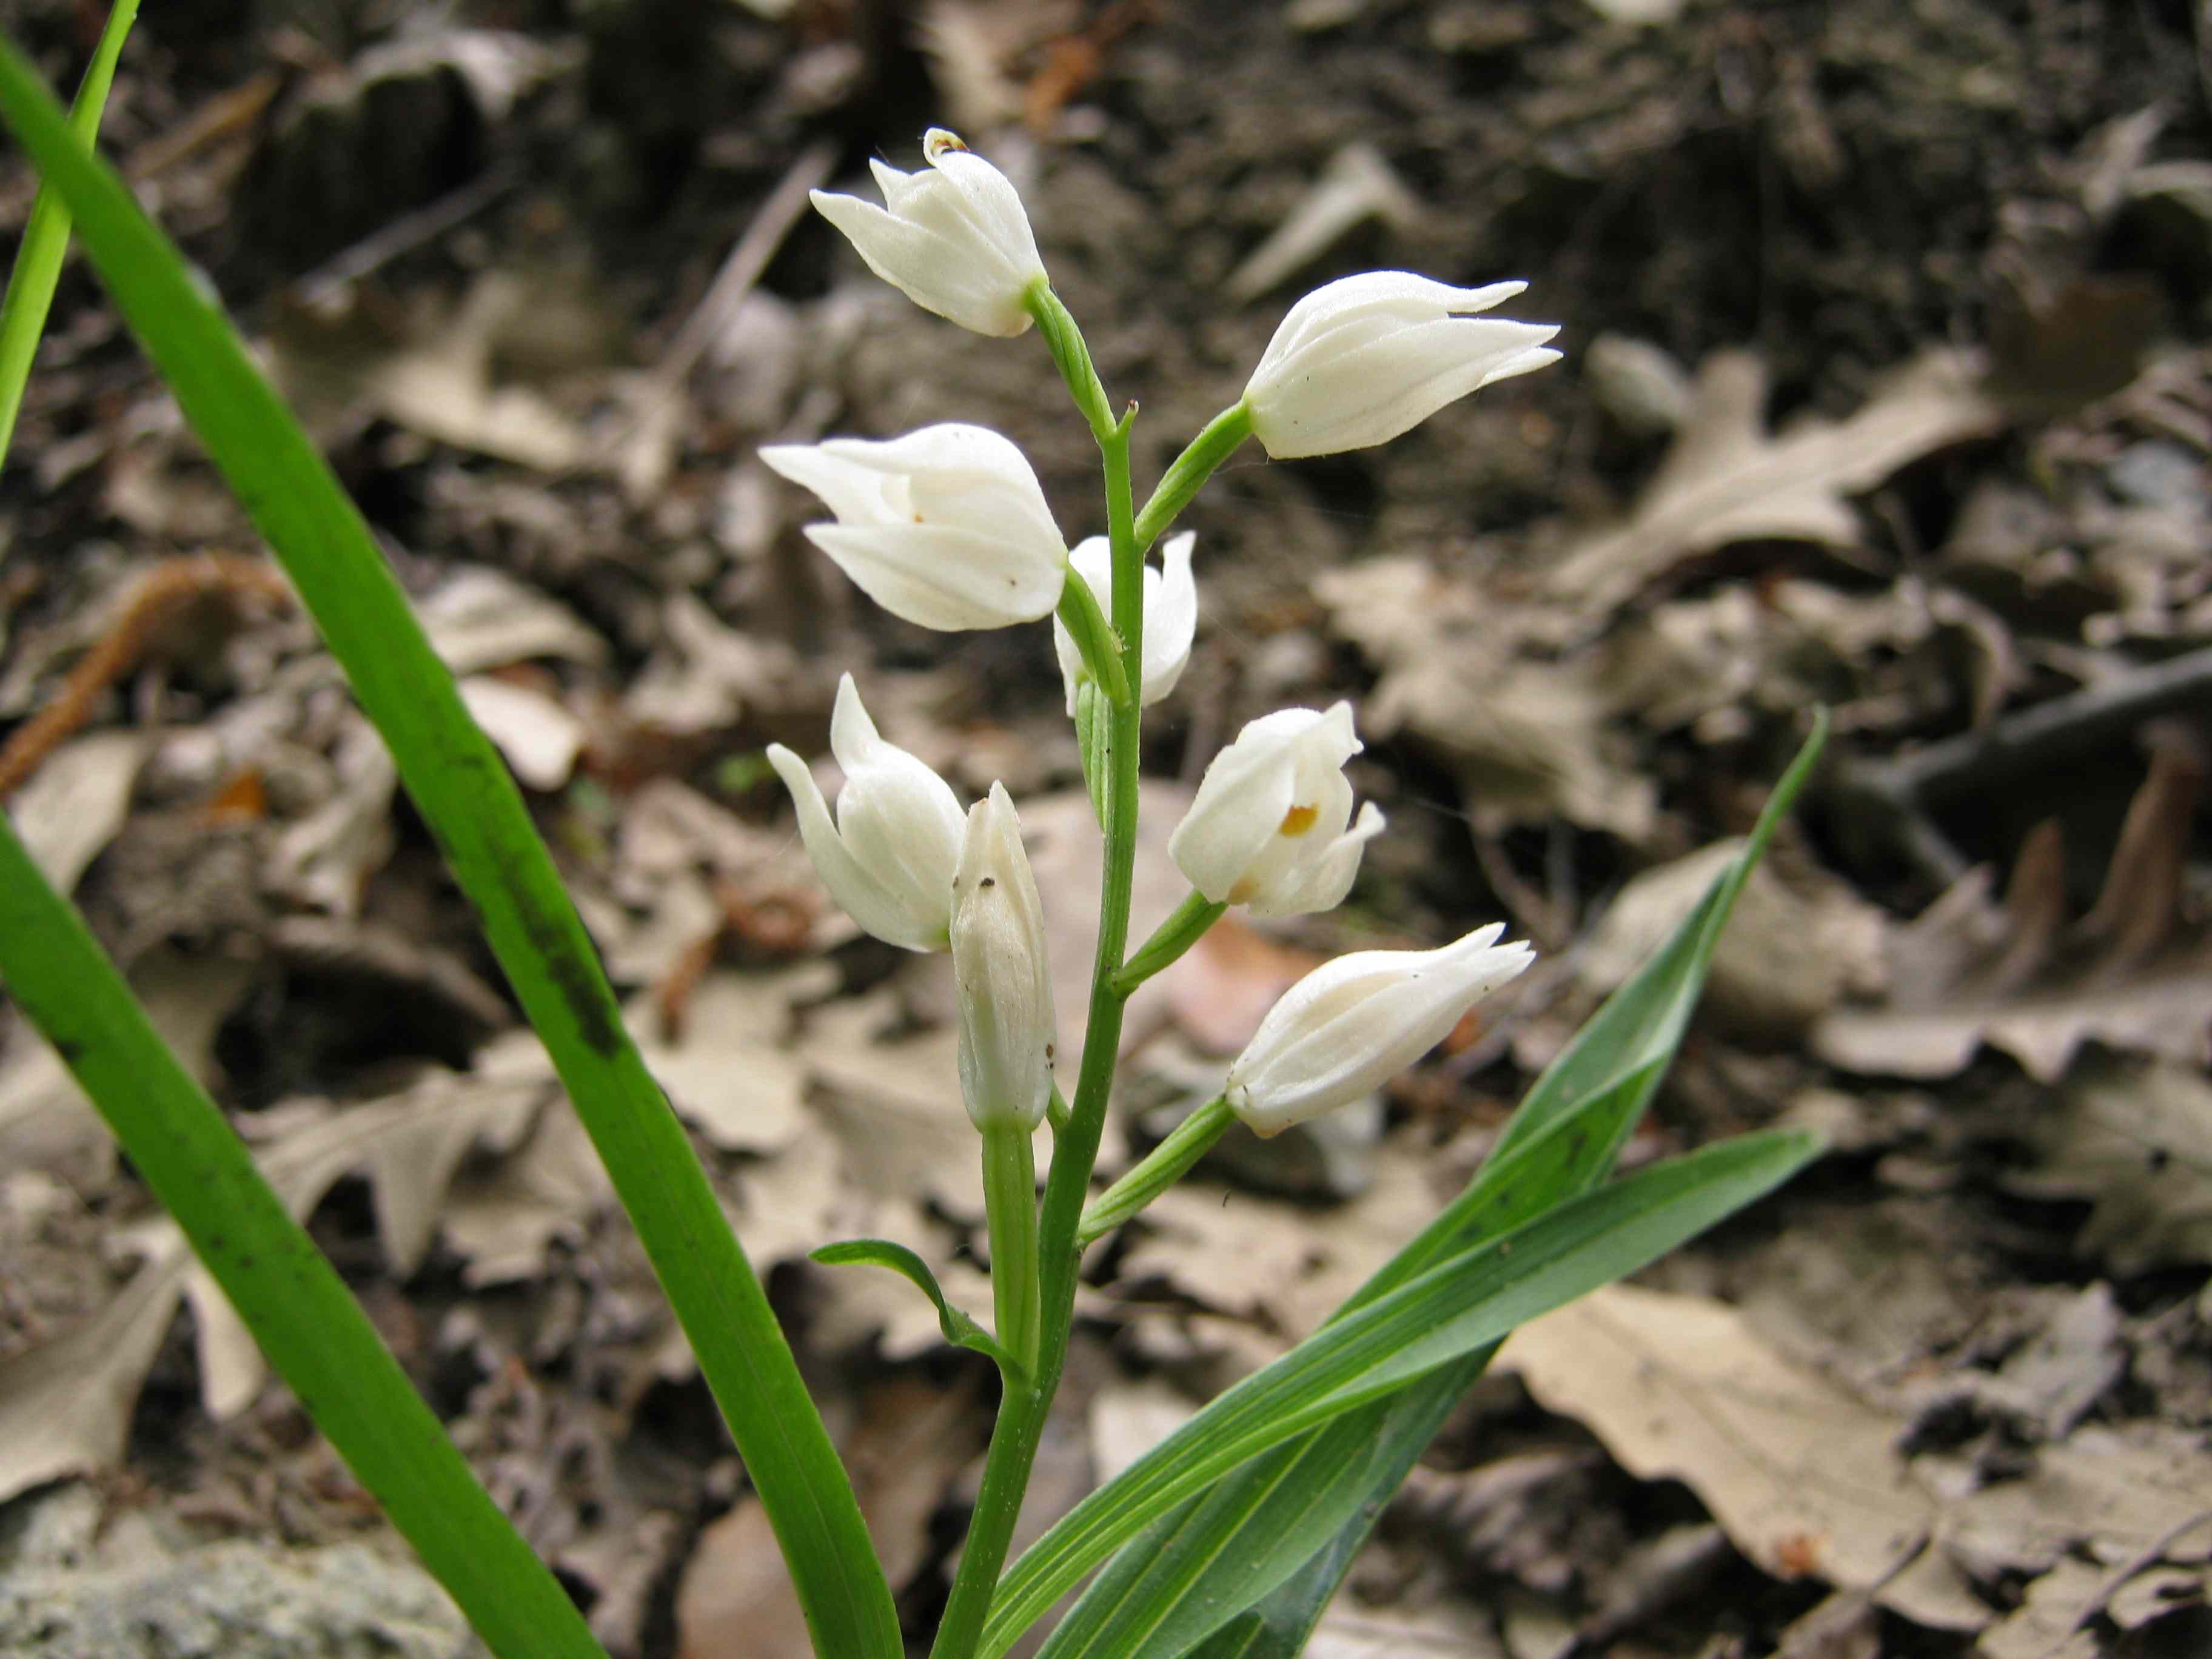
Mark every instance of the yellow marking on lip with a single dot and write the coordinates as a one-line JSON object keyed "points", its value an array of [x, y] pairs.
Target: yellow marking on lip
{"points": [[1298, 821]]}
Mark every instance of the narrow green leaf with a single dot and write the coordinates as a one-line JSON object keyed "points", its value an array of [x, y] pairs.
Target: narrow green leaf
{"points": [[1279, 1532], [959, 1328], [1469, 1300], [1640, 1025], [297, 1309], [474, 808], [39, 256]]}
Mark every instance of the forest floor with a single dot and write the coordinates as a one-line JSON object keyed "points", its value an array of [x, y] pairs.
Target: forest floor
{"points": [[1887, 387]]}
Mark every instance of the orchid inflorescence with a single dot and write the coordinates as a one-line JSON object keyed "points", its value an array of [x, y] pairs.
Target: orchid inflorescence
{"points": [[948, 527]]}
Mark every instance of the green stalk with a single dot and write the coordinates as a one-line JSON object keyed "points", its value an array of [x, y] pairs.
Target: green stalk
{"points": [[1160, 1170], [1010, 1207], [1187, 474], [1022, 1412], [471, 805], [39, 257], [1072, 356], [1181, 930], [297, 1309]]}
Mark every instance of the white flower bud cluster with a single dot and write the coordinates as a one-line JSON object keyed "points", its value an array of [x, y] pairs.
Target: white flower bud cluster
{"points": [[948, 528]]}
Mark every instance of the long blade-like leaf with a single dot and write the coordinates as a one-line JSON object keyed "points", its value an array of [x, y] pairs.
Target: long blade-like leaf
{"points": [[474, 808], [1278, 1533], [1467, 1300], [39, 256], [290, 1297]]}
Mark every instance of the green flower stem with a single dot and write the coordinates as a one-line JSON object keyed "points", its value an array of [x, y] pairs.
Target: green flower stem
{"points": [[1023, 1411], [1188, 473], [1181, 930], [1160, 1170], [1010, 1206], [471, 805], [1094, 637], [1071, 355], [46, 236], [291, 1298]]}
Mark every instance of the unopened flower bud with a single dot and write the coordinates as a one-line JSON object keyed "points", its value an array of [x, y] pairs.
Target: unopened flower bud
{"points": [[1353, 1024], [999, 968], [1271, 826], [1363, 359], [955, 240], [946, 526], [890, 855], [1170, 615]]}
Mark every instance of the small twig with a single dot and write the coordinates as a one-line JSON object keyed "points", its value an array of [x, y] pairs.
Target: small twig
{"points": [[2148, 1557], [771, 223], [157, 597], [220, 117], [1899, 792], [408, 231]]}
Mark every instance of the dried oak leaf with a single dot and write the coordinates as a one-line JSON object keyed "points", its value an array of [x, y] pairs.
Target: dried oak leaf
{"points": [[1726, 480], [1968, 971], [2136, 1139], [65, 1406], [1528, 737], [1808, 1480]]}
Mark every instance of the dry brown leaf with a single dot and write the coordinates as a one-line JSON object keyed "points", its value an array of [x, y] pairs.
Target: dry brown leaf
{"points": [[1968, 971], [1680, 1386], [1726, 480], [2110, 1494], [1281, 1265], [1450, 1630], [1939, 1013], [1808, 1480], [707, 674], [506, 1220], [2136, 1138], [325, 859], [911, 1443], [1127, 1419], [408, 1146], [733, 1071], [735, 1595], [65, 1406], [538, 739], [1218, 994], [47, 1123], [72, 805], [480, 618], [1793, 953], [441, 384], [1527, 737]]}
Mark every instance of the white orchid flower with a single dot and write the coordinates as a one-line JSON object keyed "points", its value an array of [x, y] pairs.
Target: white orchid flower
{"points": [[946, 526], [1170, 615], [955, 240], [1353, 1024], [890, 856], [1000, 970], [1361, 360], [1271, 827]]}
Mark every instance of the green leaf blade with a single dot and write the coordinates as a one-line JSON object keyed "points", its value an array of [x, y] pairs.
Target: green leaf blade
{"points": [[39, 256], [475, 811], [1467, 1301], [959, 1328]]}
